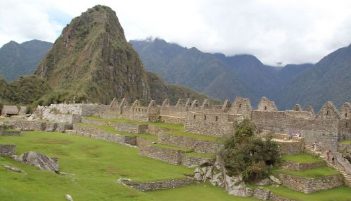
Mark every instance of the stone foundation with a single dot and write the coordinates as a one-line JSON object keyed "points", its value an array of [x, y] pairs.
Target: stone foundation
{"points": [[132, 128], [172, 119], [188, 142], [167, 155], [102, 135], [310, 185], [9, 133], [290, 147], [7, 149], [158, 185]]}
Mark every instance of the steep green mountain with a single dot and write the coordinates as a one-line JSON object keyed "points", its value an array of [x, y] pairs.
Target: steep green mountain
{"points": [[329, 79], [91, 60], [21, 59]]}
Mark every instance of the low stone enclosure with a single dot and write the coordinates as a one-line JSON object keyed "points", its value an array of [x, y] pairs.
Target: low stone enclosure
{"points": [[157, 185]]}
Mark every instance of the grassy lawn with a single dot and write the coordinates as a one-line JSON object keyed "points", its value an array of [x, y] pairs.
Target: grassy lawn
{"points": [[336, 194], [346, 142], [311, 173], [93, 166], [302, 158]]}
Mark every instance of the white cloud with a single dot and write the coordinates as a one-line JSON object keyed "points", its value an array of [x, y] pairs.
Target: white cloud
{"points": [[291, 31]]}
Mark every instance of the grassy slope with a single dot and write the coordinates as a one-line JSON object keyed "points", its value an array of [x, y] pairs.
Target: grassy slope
{"points": [[94, 167], [302, 158]]}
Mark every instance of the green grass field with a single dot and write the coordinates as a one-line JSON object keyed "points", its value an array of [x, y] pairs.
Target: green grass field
{"points": [[311, 173], [302, 158], [346, 142], [93, 166]]}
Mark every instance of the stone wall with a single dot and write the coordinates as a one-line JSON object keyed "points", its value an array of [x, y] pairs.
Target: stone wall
{"points": [[9, 132], [310, 185], [192, 161], [345, 129], [322, 131], [171, 156], [216, 124], [68, 113], [26, 125], [188, 142], [132, 128], [173, 119], [102, 135], [266, 105], [7, 149], [241, 106], [290, 147], [302, 166], [158, 185]]}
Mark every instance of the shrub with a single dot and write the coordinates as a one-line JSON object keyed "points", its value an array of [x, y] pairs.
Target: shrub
{"points": [[247, 155]]}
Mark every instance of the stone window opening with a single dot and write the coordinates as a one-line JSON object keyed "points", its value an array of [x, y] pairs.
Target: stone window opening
{"points": [[205, 117], [345, 115], [327, 112], [346, 125], [240, 106], [194, 116], [265, 107], [216, 118]]}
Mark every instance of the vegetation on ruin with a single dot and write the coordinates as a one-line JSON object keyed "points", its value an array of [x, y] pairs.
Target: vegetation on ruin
{"points": [[335, 194], [302, 158], [93, 167], [174, 129], [247, 155]]}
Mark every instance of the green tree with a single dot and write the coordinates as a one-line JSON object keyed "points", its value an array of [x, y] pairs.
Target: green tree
{"points": [[248, 155]]}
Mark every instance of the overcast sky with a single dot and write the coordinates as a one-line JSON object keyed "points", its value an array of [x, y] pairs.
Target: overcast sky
{"points": [[288, 31]]}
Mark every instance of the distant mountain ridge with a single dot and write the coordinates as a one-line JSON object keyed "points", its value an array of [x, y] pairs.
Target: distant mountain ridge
{"points": [[225, 77], [21, 59], [216, 75]]}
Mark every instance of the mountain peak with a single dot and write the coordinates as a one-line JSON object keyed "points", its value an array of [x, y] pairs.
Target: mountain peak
{"points": [[11, 44], [93, 60]]}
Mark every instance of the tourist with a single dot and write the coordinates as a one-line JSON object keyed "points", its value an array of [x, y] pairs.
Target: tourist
{"points": [[328, 154]]}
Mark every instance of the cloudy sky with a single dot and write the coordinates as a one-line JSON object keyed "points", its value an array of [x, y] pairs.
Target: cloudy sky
{"points": [[288, 31]]}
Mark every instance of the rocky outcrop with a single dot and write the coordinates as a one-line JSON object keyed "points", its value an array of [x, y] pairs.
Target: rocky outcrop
{"points": [[7, 149], [39, 160]]}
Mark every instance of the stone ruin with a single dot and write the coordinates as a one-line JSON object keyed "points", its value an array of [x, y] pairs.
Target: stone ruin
{"points": [[326, 128]]}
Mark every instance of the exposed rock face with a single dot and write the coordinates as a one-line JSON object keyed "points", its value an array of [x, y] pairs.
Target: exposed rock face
{"points": [[93, 59], [39, 160]]}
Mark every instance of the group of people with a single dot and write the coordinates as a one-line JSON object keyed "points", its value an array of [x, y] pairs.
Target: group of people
{"points": [[329, 154]]}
